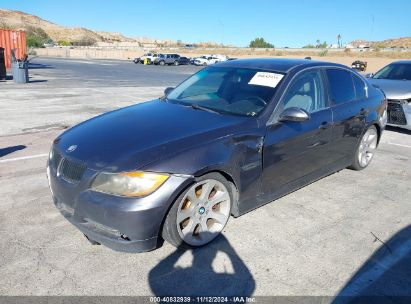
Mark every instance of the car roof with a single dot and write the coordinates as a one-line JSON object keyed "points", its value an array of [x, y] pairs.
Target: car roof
{"points": [[282, 65], [402, 62]]}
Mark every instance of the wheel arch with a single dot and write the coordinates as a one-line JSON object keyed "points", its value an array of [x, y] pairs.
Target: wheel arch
{"points": [[224, 174], [234, 189], [379, 131]]}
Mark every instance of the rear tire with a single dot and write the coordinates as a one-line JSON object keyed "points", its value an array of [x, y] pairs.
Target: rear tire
{"points": [[365, 149], [200, 213], [176, 63]]}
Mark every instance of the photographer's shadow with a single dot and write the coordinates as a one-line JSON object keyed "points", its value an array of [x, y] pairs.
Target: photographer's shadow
{"points": [[200, 279]]}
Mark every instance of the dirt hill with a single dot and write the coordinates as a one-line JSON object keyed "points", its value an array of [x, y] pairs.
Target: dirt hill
{"points": [[404, 42], [20, 20]]}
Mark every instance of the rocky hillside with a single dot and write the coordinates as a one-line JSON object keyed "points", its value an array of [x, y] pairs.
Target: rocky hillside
{"points": [[22, 21], [404, 42]]}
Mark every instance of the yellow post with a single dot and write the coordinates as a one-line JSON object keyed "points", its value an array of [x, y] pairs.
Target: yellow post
{"points": [[145, 61]]}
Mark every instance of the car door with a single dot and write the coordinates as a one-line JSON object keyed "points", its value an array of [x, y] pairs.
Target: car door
{"points": [[349, 112], [294, 150]]}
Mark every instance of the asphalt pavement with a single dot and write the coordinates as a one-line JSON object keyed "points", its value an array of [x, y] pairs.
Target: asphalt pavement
{"points": [[347, 233]]}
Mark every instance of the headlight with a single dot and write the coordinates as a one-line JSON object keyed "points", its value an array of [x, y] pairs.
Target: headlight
{"points": [[130, 184]]}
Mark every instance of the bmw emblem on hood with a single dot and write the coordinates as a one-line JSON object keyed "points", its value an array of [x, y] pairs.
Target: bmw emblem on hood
{"points": [[71, 148]]}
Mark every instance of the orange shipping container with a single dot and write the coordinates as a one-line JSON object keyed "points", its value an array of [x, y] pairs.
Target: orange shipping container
{"points": [[10, 39]]}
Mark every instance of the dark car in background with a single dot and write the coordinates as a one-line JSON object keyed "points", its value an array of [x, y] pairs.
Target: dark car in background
{"points": [[395, 80], [183, 61], [231, 138]]}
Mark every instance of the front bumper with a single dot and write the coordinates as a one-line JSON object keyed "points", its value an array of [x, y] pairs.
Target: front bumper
{"points": [[399, 114], [121, 223]]}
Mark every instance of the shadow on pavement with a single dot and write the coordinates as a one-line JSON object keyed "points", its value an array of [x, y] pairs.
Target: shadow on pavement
{"points": [[398, 130], [34, 66], [200, 279], [9, 150], [385, 277], [35, 81]]}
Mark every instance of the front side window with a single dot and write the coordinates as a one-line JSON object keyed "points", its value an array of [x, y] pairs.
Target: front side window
{"points": [[238, 91], [306, 92], [395, 71], [341, 85]]}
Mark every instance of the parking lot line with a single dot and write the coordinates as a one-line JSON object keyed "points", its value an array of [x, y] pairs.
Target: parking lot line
{"points": [[23, 158], [400, 145]]}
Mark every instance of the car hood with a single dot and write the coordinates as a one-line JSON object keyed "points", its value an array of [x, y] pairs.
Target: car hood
{"points": [[133, 137], [393, 89]]}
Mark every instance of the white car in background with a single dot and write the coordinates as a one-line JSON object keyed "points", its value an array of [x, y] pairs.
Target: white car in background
{"points": [[209, 59], [150, 56]]}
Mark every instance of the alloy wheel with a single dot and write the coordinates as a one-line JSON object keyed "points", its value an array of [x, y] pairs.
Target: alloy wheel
{"points": [[203, 212], [367, 147]]}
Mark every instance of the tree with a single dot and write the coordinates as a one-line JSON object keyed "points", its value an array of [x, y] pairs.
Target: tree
{"points": [[260, 43], [339, 40], [320, 45], [309, 46], [36, 36]]}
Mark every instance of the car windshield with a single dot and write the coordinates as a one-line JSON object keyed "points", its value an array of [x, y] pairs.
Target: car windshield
{"points": [[396, 71], [237, 91]]}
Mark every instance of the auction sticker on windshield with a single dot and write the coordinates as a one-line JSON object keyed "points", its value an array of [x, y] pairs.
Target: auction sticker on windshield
{"points": [[266, 79]]}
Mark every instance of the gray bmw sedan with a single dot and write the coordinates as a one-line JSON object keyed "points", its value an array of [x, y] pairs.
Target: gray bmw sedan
{"points": [[230, 138]]}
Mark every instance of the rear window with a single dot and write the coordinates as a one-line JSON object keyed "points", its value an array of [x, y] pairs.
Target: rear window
{"points": [[341, 85]]}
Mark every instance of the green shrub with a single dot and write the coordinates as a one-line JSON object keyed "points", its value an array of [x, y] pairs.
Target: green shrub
{"points": [[64, 43], [36, 36], [323, 53], [260, 43]]}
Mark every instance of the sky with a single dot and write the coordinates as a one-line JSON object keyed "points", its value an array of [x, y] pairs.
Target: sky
{"points": [[285, 23]]}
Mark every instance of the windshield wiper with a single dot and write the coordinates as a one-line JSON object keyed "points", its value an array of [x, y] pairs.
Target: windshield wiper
{"points": [[197, 107]]}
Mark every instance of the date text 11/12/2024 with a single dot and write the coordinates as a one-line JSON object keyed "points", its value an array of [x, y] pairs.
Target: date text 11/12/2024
{"points": [[202, 299]]}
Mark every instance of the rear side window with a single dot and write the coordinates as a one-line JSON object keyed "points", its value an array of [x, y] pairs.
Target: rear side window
{"points": [[341, 85], [359, 85]]}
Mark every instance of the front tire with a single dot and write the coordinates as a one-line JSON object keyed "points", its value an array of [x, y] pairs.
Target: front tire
{"points": [[200, 213], [162, 63], [176, 63], [365, 150]]}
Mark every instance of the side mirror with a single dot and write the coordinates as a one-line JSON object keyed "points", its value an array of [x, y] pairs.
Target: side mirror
{"points": [[294, 114], [168, 91]]}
